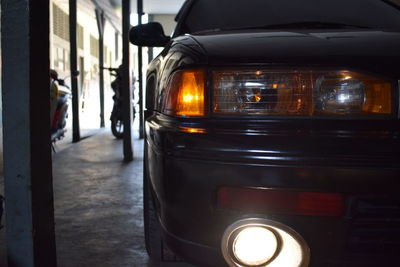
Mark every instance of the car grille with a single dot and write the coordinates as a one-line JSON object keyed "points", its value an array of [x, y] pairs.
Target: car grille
{"points": [[375, 225]]}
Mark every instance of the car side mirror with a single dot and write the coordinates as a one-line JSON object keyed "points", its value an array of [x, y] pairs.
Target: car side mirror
{"points": [[150, 34]]}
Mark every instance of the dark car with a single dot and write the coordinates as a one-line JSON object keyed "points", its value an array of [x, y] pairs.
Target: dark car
{"points": [[272, 134]]}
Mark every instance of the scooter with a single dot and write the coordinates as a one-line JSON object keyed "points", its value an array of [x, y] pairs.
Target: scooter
{"points": [[117, 124], [60, 94]]}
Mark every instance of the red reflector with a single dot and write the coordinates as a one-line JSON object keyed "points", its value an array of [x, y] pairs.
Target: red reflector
{"points": [[280, 201]]}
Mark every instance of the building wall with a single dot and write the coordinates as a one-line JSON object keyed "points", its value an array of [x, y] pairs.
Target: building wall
{"points": [[88, 57], [167, 21], [59, 60]]}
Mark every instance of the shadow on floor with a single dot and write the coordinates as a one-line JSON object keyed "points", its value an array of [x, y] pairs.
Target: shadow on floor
{"points": [[98, 205]]}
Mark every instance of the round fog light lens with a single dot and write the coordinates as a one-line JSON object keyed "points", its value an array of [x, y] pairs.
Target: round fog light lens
{"points": [[254, 246], [258, 242]]}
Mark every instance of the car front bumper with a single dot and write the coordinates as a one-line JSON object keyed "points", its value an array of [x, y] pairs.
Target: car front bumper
{"points": [[189, 162]]}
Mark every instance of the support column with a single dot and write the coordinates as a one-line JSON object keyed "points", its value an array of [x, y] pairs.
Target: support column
{"points": [[140, 74], [100, 25], [126, 81], [30, 237], [76, 136]]}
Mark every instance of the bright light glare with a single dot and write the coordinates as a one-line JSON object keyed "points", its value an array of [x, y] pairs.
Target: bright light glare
{"points": [[193, 130], [134, 19], [291, 254], [188, 98], [254, 84], [264, 243], [342, 98], [255, 245]]}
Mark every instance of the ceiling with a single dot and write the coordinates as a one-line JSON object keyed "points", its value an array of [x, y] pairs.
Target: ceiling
{"points": [[170, 6], [154, 6], [160, 6]]}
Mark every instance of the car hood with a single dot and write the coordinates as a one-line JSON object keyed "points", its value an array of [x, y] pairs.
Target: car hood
{"points": [[376, 51]]}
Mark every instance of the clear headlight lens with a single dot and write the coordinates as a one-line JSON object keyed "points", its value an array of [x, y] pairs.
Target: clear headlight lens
{"points": [[300, 93], [340, 94]]}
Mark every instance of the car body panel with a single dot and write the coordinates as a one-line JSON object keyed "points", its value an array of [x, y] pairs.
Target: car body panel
{"points": [[190, 159], [187, 170]]}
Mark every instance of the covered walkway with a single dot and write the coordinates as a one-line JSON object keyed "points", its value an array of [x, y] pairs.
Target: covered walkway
{"points": [[98, 204], [98, 198]]}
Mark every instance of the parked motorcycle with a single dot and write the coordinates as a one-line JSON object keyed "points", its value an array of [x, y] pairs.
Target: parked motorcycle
{"points": [[117, 125], [60, 94]]}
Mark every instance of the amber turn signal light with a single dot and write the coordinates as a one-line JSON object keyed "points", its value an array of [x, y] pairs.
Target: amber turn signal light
{"points": [[185, 94]]}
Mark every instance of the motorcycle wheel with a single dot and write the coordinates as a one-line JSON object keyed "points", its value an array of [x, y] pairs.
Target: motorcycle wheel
{"points": [[117, 128]]}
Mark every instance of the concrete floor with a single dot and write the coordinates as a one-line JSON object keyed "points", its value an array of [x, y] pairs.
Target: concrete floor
{"points": [[98, 205]]}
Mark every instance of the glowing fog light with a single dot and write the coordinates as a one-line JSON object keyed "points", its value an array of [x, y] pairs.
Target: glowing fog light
{"points": [[261, 242], [255, 245]]}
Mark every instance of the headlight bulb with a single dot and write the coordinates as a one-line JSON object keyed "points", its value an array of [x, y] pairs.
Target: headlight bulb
{"points": [[255, 246], [340, 95], [263, 243]]}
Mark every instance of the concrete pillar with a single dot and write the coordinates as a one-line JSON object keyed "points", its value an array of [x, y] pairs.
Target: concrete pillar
{"points": [[100, 25], [76, 136], [140, 74], [28, 184], [126, 82]]}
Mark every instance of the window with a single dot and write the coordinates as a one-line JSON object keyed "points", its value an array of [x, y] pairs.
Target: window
{"points": [[60, 23], [94, 46], [80, 36], [116, 46], [61, 59]]}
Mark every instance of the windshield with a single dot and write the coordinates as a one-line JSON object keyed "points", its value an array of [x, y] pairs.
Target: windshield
{"points": [[215, 15]]}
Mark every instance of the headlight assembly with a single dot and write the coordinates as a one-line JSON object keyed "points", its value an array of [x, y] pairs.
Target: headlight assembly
{"points": [[281, 92], [300, 93]]}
